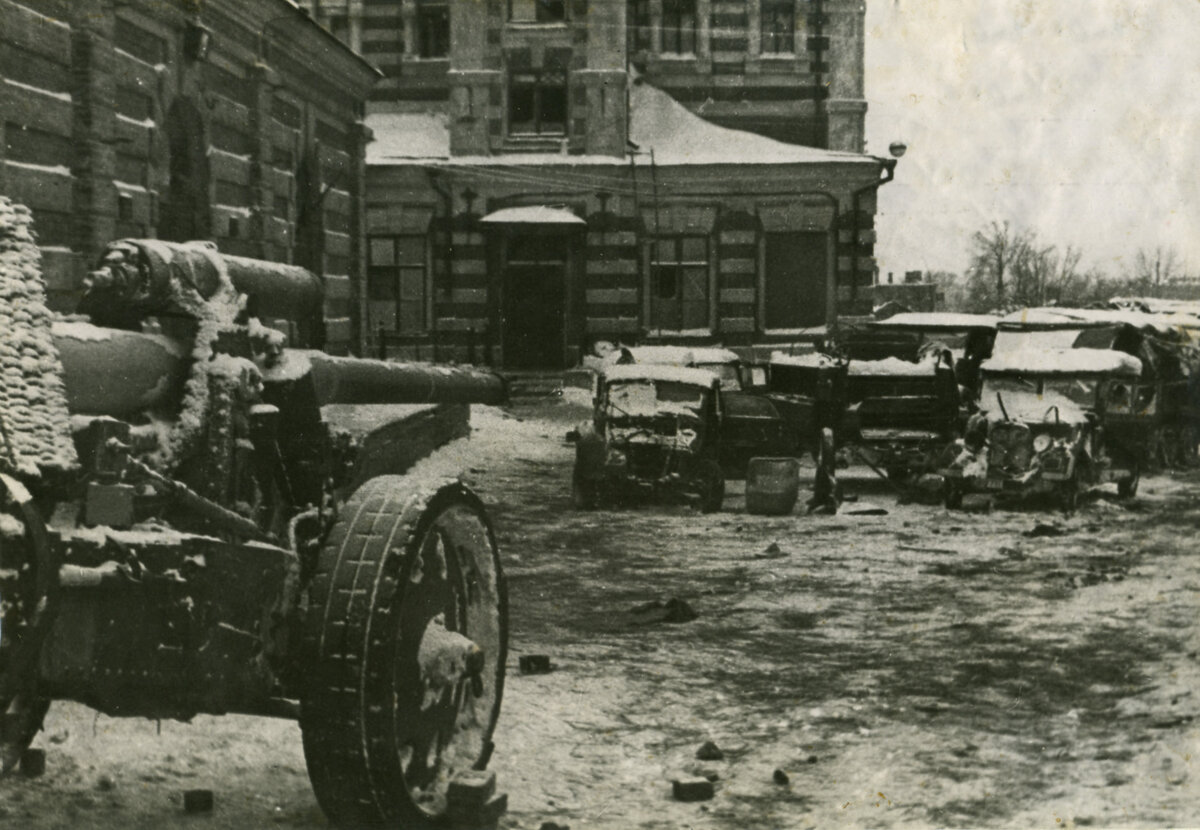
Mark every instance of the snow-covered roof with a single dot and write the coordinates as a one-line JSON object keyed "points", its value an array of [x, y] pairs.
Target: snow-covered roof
{"points": [[660, 372], [533, 215], [935, 320], [892, 367], [657, 122], [1063, 362], [712, 354], [810, 360]]}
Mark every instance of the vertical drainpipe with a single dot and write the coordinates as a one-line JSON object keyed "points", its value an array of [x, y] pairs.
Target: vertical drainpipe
{"points": [[889, 169]]}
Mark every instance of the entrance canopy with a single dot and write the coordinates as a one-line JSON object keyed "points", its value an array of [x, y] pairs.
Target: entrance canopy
{"points": [[533, 215]]}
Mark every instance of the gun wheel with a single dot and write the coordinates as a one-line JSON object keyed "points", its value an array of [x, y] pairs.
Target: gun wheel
{"points": [[404, 646], [28, 578]]}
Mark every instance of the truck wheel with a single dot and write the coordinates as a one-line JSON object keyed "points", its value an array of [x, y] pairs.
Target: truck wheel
{"points": [[28, 590], [403, 644], [711, 482], [1127, 487], [953, 494], [1069, 494]]}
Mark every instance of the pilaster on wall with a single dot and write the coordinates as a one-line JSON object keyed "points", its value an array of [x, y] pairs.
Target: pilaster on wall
{"points": [[845, 106], [94, 115]]}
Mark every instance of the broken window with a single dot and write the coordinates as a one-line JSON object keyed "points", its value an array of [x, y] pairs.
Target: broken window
{"points": [[679, 283], [433, 29], [537, 103], [537, 11], [679, 26], [396, 283], [778, 27]]}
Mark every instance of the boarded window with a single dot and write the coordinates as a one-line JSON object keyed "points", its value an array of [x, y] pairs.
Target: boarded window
{"points": [[396, 282], [679, 283], [797, 269]]}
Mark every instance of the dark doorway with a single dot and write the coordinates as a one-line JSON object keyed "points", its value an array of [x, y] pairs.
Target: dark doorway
{"points": [[797, 270], [534, 302], [185, 213]]}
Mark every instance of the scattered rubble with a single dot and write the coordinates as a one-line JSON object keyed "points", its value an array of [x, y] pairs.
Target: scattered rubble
{"points": [[691, 788], [709, 751], [1042, 530], [535, 664], [780, 777]]}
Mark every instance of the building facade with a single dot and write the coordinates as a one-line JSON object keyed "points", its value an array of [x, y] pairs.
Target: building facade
{"points": [[235, 122], [549, 173]]}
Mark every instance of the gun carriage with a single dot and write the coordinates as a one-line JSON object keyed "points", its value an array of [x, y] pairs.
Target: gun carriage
{"points": [[182, 532]]}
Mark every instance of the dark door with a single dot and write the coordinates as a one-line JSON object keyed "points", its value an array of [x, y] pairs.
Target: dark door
{"points": [[534, 302], [796, 274]]}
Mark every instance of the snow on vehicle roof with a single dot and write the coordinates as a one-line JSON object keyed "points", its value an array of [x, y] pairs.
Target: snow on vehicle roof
{"points": [[1083, 317], [660, 372], [1063, 362], [892, 367], [1157, 305], [938, 320], [675, 355], [808, 360], [533, 215]]}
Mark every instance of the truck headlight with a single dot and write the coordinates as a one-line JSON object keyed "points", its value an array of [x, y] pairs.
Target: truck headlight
{"points": [[1041, 443]]}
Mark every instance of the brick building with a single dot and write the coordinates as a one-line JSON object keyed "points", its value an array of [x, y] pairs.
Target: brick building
{"points": [[237, 122], [547, 173]]}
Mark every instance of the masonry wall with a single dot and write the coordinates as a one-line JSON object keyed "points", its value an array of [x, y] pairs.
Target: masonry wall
{"points": [[113, 126], [805, 87]]}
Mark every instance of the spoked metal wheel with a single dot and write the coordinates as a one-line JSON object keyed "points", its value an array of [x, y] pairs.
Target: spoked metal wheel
{"points": [[28, 590], [405, 644]]}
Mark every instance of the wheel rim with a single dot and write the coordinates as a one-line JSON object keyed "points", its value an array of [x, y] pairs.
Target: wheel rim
{"points": [[26, 605], [445, 708]]}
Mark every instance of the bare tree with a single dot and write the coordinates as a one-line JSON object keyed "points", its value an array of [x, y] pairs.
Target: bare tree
{"points": [[1152, 269]]}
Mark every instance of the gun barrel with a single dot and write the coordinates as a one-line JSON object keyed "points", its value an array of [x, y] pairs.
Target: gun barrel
{"points": [[352, 380], [116, 372]]}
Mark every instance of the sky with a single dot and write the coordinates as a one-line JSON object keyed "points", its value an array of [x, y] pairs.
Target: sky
{"points": [[1079, 120]]}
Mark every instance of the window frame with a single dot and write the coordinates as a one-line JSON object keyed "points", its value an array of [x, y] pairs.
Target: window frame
{"points": [[539, 7], [392, 274], [538, 86], [680, 266], [770, 39], [427, 10], [639, 18], [672, 28]]}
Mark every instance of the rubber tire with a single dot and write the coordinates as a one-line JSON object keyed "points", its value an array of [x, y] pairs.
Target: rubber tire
{"points": [[17, 731], [953, 494], [711, 481], [1127, 487], [360, 667]]}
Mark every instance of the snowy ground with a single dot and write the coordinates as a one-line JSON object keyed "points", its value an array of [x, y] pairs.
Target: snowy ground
{"points": [[919, 668]]}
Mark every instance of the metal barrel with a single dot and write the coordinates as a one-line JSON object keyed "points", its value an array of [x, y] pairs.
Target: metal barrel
{"points": [[115, 372], [353, 380]]}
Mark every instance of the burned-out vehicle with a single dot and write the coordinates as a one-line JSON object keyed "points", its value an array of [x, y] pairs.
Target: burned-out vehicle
{"points": [[1168, 402], [656, 432], [1052, 421], [966, 340], [182, 532], [809, 391]]}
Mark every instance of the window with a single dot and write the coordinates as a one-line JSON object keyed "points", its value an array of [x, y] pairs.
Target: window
{"points": [[679, 26], [396, 283], [537, 11], [339, 27], [641, 31], [537, 103], [679, 283], [778, 27], [433, 29]]}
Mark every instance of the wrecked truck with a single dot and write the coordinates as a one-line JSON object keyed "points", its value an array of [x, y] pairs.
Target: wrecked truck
{"points": [[656, 432], [182, 533], [1051, 421]]}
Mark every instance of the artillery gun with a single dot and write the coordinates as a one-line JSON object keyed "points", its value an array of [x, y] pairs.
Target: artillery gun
{"points": [[182, 533]]}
